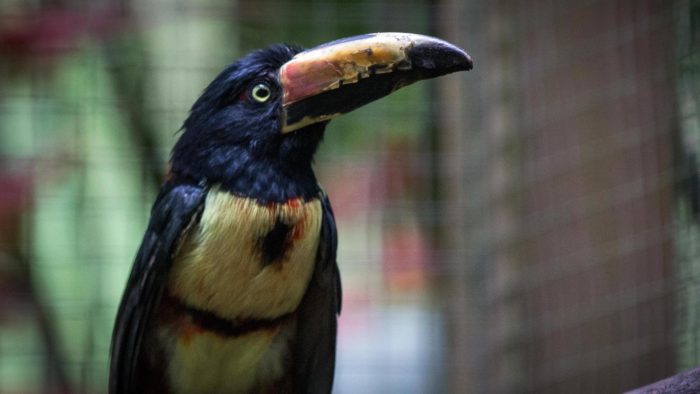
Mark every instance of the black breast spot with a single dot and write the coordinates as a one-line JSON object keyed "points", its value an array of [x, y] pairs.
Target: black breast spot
{"points": [[276, 242]]}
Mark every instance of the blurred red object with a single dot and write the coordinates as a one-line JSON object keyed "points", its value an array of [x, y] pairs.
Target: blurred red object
{"points": [[35, 38], [15, 198], [16, 187]]}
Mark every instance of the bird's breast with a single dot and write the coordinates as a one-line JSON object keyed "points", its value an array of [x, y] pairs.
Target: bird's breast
{"points": [[247, 260], [227, 317]]}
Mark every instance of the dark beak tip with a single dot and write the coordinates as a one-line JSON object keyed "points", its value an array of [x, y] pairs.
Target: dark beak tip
{"points": [[468, 62], [461, 62], [439, 58]]}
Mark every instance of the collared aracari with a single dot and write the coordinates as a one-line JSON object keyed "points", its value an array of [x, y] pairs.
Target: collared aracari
{"points": [[235, 288]]}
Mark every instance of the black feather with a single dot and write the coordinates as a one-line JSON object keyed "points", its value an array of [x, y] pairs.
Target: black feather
{"points": [[172, 214], [314, 351], [275, 243]]}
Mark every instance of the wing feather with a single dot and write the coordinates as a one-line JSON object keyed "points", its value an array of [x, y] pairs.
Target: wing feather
{"points": [[173, 213], [317, 315]]}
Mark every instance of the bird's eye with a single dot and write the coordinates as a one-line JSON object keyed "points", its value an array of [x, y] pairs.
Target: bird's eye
{"points": [[261, 92]]}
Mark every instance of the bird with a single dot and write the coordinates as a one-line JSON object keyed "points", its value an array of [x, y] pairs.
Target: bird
{"points": [[235, 287]]}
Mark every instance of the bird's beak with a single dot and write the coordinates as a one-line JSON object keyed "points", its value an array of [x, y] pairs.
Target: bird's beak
{"points": [[334, 78]]}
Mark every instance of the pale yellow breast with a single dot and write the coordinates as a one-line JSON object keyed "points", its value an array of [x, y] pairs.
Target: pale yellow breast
{"points": [[208, 363], [219, 266]]}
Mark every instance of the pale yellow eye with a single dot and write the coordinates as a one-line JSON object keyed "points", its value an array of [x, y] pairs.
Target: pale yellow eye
{"points": [[261, 93]]}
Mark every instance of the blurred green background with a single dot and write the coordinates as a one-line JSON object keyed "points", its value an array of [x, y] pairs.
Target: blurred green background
{"points": [[530, 226]]}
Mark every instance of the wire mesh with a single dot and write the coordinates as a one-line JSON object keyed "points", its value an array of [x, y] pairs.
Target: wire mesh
{"points": [[531, 226]]}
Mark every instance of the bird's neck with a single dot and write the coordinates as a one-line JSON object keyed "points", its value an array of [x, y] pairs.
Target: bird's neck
{"points": [[270, 181], [263, 179]]}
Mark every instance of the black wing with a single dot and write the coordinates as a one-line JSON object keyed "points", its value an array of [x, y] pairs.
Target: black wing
{"points": [[171, 216], [317, 315]]}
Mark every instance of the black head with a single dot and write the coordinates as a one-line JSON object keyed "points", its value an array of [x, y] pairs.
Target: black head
{"points": [[233, 133]]}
